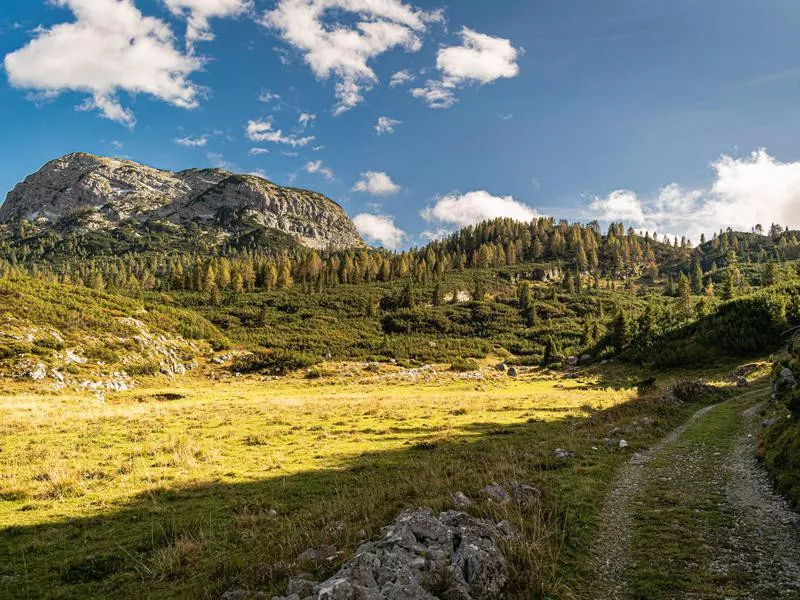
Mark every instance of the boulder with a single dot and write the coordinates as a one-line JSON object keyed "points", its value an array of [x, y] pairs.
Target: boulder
{"points": [[502, 367], [461, 500], [512, 372], [562, 454], [421, 556], [495, 492]]}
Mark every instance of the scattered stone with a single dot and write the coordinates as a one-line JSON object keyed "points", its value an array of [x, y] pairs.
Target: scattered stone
{"points": [[788, 378], [420, 557], [562, 454], [609, 442], [741, 382], [526, 495], [623, 444], [585, 359], [301, 587], [316, 554], [37, 372], [495, 492], [571, 361], [768, 423], [512, 372], [502, 367], [461, 500]]}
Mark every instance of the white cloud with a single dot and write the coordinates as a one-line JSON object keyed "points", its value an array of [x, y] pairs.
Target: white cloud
{"points": [[259, 173], [380, 229], [306, 119], [471, 208], [756, 189], [377, 184], [401, 78], [506, 117], [318, 148], [345, 48], [262, 131], [386, 125], [619, 205], [318, 167], [435, 94], [110, 47], [198, 12], [190, 142], [290, 154], [258, 151], [480, 59], [218, 162], [268, 96]]}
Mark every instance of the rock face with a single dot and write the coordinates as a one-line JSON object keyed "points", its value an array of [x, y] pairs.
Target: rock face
{"points": [[422, 557], [106, 192]]}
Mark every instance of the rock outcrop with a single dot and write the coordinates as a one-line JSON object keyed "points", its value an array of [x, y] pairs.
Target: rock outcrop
{"points": [[421, 556], [98, 193]]}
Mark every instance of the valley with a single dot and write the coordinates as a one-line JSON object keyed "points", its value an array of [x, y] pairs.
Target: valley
{"points": [[252, 413]]}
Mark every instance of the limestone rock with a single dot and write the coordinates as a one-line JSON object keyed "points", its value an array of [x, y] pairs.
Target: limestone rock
{"points": [[420, 556], [85, 192]]}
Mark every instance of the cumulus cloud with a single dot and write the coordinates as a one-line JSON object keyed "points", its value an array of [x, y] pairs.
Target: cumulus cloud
{"points": [[751, 190], [376, 183], [190, 142], [435, 94], [263, 131], [385, 125], [380, 229], [479, 60], [317, 166], [471, 208], [344, 48], [110, 47], [306, 119], [401, 78], [198, 13]]}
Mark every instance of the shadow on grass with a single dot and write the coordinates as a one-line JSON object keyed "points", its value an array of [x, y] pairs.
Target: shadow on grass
{"points": [[198, 541]]}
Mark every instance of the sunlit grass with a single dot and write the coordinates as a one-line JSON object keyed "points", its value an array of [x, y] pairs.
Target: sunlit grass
{"points": [[190, 487]]}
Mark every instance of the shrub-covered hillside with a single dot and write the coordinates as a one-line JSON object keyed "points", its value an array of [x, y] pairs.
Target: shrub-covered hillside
{"points": [[74, 334]]}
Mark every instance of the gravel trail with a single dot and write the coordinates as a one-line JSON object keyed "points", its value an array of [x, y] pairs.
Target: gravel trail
{"points": [[702, 484]]}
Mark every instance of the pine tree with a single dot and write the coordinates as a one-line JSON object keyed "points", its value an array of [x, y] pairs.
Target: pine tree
{"points": [[621, 332], [697, 279]]}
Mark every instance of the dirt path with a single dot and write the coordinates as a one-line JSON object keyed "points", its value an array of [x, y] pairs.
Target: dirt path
{"points": [[695, 517]]}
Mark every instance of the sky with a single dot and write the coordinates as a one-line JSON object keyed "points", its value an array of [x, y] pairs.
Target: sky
{"points": [[419, 118]]}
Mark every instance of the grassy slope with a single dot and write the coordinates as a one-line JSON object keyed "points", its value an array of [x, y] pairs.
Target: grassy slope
{"points": [[172, 498], [40, 320]]}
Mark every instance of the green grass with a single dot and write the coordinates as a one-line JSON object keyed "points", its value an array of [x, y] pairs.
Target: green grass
{"points": [[199, 487]]}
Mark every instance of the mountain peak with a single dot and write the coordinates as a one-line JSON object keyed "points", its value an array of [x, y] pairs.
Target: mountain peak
{"points": [[112, 191]]}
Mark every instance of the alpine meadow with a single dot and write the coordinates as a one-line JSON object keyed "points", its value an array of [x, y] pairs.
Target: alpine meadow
{"points": [[333, 383]]}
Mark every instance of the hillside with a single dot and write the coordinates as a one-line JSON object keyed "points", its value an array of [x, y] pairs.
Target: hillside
{"points": [[67, 335], [90, 202]]}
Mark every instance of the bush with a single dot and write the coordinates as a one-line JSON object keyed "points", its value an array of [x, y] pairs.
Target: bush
{"points": [[274, 362], [464, 365]]}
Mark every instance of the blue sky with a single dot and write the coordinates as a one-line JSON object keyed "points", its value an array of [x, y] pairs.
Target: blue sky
{"points": [[653, 111]]}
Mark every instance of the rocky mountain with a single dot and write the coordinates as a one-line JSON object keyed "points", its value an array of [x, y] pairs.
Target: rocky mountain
{"points": [[91, 193]]}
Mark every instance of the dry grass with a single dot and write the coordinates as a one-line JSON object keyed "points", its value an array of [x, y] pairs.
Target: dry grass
{"points": [[201, 486]]}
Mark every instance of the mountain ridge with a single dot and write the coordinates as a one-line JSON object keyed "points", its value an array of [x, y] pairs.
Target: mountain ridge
{"points": [[107, 192]]}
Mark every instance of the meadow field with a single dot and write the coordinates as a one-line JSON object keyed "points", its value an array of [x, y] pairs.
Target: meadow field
{"points": [[191, 487]]}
